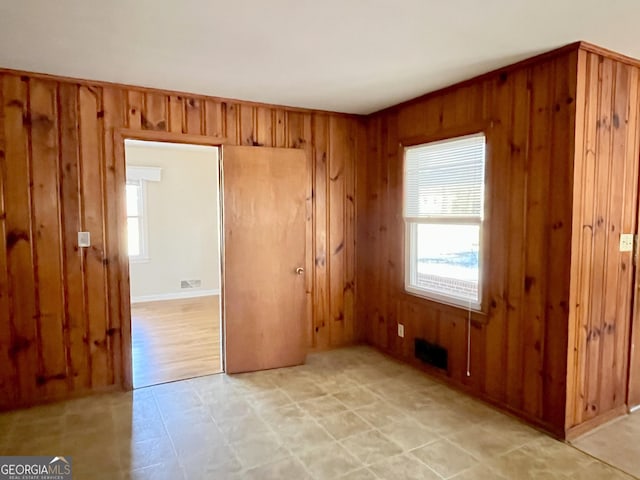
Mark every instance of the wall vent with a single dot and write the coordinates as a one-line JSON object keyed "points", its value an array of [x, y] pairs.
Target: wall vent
{"points": [[431, 354], [190, 283]]}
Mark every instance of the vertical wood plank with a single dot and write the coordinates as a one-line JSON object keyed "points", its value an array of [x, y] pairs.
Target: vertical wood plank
{"points": [[321, 313], [194, 112], [247, 125], [91, 174], [176, 114], [114, 185], [559, 239], [52, 368], [498, 199], [8, 374], [135, 107], [300, 136], [349, 215], [264, 127], [155, 115], [19, 236], [539, 160], [517, 239], [73, 261], [214, 118], [338, 139], [280, 128], [231, 122]]}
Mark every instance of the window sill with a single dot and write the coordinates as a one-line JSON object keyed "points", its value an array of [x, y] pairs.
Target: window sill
{"points": [[477, 316]]}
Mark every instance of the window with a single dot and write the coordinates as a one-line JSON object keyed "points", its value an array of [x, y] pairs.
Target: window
{"points": [[443, 213], [137, 246]]}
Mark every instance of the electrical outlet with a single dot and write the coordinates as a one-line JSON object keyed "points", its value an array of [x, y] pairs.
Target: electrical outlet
{"points": [[401, 330], [190, 283], [84, 239], [626, 242]]}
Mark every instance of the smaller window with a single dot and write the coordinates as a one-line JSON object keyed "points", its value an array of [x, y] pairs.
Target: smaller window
{"points": [[137, 245], [443, 213]]}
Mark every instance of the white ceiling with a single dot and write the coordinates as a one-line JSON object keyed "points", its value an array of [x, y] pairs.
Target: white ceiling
{"points": [[345, 55]]}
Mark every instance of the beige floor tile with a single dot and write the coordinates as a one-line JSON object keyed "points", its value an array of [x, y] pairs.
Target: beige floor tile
{"points": [[269, 400], [321, 407], [210, 467], [598, 471], [344, 425], [301, 390], [163, 471], [445, 458], [356, 397], [371, 447], [44, 444], [173, 403], [479, 472], [243, 428], [197, 439], [260, 450], [283, 418], [147, 453], [481, 442], [441, 420], [350, 413], [380, 413], [409, 434], [306, 436], [229, 409], [405, 467], [361, 474], [520, 465], [287, 468], [616, 443], [329, 462]]}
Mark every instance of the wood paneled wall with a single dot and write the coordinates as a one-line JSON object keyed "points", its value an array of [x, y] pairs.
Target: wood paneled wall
{"points": [[518, 346], [60, 333], [605, 205]]}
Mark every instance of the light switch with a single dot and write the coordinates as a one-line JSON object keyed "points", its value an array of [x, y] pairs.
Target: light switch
{"points": [[401, 330], [626, 242], [84, 239]]}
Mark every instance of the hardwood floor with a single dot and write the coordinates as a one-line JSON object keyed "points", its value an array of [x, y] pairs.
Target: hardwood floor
{"points": [[175, 339]]}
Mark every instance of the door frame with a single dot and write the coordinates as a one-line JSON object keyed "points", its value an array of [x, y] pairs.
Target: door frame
{"points": [[119, 206], [632, 399]]}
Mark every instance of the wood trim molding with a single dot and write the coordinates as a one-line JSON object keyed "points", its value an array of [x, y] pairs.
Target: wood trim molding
{"points": [[168, 92], [543, 57], [574, 432], [605, 52], [119, 136]]}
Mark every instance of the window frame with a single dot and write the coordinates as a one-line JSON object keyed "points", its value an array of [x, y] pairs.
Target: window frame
{"points": [[143, 256], [480, 307]]}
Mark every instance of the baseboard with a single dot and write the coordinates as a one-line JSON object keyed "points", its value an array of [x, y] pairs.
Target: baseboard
{"points": [[578, 430], [175, 296]]}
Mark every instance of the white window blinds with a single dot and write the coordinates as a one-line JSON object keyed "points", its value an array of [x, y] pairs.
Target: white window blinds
{"points": [[445, 179]]}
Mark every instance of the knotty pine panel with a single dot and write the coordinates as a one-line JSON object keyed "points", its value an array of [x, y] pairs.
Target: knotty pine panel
{"points": [[518, 346], [605, 205], [61, 306]]}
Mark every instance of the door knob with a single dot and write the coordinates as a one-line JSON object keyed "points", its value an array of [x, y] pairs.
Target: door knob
{"points": [[299, 270]]}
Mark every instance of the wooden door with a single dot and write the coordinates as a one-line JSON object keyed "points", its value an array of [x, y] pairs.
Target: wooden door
{"points": [[264, 207]]}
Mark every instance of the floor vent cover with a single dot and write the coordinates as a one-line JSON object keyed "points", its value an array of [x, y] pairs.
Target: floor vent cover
{"points": [[431, 354]]}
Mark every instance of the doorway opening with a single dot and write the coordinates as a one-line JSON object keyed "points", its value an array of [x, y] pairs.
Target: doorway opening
{"points": [[173, 239]]}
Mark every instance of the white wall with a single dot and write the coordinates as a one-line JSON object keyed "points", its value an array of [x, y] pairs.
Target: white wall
{"points": [[182, 221]]}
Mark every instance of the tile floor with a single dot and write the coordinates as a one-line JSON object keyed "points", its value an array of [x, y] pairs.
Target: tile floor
{"points": [[617, 443], [350, 413]]}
